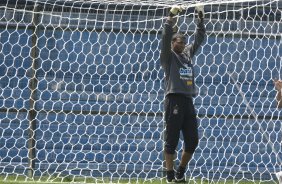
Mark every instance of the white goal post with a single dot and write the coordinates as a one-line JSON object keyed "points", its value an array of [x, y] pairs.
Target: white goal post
{"points": [[81, 95]]}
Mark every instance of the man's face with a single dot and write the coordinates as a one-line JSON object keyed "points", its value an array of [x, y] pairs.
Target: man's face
{"points": [[178, 45]]}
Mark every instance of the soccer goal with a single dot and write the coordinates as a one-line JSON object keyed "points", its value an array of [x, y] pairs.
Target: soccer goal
{"points": [[82, 93]]}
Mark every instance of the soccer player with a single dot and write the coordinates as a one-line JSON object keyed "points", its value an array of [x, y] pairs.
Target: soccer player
{"points": [[180, 115], [278, 87]]}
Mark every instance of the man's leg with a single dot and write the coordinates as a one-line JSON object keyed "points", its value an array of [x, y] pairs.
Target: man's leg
{"points": [[190, 135], [173, 118], [185, 158], [169, 161], [169, 167]]}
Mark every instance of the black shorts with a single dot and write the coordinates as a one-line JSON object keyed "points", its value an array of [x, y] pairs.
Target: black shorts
{"points": [[180, 115]]}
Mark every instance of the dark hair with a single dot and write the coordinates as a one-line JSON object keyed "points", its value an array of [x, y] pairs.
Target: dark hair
{"points": [[178, 35]]}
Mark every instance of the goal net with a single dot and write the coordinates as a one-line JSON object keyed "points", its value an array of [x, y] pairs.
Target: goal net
{"points": [[81, 95]]}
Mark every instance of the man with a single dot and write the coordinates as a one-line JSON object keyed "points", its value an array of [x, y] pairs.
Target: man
{"points": [[278, 87], [180, 115]]}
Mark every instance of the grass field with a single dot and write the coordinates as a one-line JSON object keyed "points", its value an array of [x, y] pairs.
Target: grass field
{"points": [[66, 180], [153, 182]]}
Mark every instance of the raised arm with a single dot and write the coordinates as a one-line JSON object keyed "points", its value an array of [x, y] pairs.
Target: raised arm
{"points": [[167, 33], [166, 39], [199, 35]]}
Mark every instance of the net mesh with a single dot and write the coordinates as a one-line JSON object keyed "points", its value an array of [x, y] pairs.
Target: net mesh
{"points": [[82, 92]]}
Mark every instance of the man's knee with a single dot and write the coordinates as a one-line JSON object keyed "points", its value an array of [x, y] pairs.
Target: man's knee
{"points": [[170, 149], [191, 146]]}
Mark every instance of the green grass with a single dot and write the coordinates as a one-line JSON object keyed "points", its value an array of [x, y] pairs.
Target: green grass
{"points": [[76, 180]]}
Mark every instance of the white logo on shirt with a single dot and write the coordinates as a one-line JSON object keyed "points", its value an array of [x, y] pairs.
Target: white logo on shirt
{"points": [[186, 72]]}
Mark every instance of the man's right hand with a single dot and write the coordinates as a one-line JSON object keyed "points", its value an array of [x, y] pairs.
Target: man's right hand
{"points": [[175, 10], [201, 11]]}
